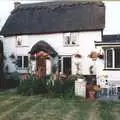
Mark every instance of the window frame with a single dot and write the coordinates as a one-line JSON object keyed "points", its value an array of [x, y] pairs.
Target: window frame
{"points": [[113, 58], [18, 39], [61, 60], [23, 65], [71, 35], [21, 39]]}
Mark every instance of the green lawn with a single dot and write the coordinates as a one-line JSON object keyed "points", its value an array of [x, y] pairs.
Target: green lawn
{"points": [[16, 107]]}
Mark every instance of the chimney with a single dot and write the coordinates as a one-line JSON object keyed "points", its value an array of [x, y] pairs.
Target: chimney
{"points": [[16, 4]]}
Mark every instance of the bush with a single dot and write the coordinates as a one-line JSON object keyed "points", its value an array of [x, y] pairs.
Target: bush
{"points": [[65, 86], [32, 86], [15, 77], [11, 80]]}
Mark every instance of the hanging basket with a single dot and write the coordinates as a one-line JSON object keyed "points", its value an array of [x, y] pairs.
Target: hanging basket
{"points": [[77, 56], [94, 55], [12, 56], [100, 56]]}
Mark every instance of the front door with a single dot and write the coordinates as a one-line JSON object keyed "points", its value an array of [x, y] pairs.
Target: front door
{"points": [[67, 65], [41, 67]]}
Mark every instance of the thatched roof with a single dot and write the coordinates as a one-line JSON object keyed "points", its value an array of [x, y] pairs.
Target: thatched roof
{"points": [[43, 46], [54, 17]]}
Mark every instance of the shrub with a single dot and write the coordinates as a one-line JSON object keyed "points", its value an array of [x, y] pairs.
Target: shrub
{"points": [[11, 80], [65, 86], [15, 78], [32, 86]]}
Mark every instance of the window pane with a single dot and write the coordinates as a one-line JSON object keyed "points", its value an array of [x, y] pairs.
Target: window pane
{"points": [[25, 61], [109, 58], [67, 40], [67, 65], [59, 64], [73, 38], [117, 57], [19, 61]]}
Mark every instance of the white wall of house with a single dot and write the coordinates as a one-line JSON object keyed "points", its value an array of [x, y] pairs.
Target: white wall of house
{"points": [[113, 75], [85, 44]]}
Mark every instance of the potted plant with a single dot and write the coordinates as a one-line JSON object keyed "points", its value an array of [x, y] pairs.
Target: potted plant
{"points": [[100, 56], [80, 77], [93, 55], [97, 88], [77, 56], [12, 56], [92, 94]]}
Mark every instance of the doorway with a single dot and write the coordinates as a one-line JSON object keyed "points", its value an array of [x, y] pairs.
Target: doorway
{"points": [[41, 67], [67, 65]]}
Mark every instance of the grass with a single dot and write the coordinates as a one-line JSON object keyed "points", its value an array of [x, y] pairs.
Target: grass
{"points": [[16, 107]]}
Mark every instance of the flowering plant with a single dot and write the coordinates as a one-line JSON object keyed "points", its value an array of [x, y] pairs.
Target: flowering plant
{"points": [[41, 55], [101, 56], [77, 55], [94, 55], [44, 57]]}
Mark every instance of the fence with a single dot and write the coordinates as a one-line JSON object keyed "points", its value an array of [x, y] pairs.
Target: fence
{"points": [[111, 89]]}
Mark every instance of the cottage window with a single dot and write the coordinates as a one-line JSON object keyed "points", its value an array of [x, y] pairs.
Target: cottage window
{"points": [[59, 64], [19, 40], [22, 41], [70, 39], [19, 61], [117, 57], [67, 65], [22, 62], [25, 61], [112, 56]]}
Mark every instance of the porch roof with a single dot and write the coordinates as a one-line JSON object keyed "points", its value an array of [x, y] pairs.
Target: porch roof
{"points": [[43, 46], [111, 38], [108, 40]]}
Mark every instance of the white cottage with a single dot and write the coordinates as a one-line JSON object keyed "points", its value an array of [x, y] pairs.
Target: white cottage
{"points": [[59, 30]]}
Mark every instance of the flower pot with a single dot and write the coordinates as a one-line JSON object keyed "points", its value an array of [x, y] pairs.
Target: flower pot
{"points": [[80, 80], [97, 88], [92, 95]]}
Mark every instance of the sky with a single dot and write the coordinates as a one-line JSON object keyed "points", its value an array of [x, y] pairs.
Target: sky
{"points": [[112, 17]]}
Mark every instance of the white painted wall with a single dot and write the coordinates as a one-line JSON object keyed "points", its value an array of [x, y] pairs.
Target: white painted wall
{"points": [[48, 67], [113, 75], [85, 46]]}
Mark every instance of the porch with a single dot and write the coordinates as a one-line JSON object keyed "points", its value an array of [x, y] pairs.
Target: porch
{"points": [[45, 60]]}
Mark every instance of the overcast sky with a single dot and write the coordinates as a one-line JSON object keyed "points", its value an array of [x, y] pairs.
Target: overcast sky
{"points": [[112, 22]]}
